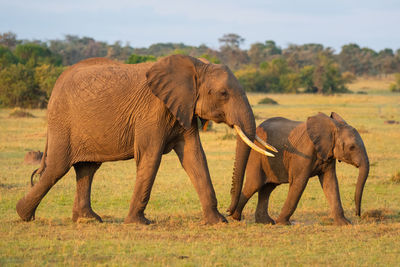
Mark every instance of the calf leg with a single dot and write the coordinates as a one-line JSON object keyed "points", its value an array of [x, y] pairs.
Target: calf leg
{"points": [[262, 215], [296, 189]]}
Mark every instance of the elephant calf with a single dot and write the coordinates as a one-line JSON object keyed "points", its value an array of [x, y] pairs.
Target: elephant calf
{"points": [[305, 149]]}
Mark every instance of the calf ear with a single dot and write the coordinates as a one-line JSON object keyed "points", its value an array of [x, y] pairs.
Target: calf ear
{"points": [[337, 118], [322, 130], [173, 80]]}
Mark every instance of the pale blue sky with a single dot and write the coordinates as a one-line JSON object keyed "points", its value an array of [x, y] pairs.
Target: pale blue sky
{"points": [[373, 24]]}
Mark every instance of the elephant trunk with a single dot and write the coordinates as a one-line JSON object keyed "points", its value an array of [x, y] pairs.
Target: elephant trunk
{"points": [[248, 126], [362, 178]]}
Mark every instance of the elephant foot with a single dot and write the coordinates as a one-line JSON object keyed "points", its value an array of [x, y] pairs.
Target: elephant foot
{"points": [[85, 213], [264, 219], [237, 216], [25, 212], [214, 218], [138, 219], [341, 221], [283, 222]]}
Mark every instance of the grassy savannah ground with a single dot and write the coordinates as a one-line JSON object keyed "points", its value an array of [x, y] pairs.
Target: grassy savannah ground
{"points": [[177, 237]]}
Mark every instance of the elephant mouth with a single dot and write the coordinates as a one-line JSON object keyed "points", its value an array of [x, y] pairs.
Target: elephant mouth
{"points": [[254, 146], [355, 164]]}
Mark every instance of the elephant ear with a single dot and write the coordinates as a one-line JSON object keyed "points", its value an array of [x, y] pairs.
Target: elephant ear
{"points": [[321, 129], [173, 80], [337, 118]]}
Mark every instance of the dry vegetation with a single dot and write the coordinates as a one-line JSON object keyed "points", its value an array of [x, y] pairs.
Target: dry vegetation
{"points": [[372, 84], [177, 237]]}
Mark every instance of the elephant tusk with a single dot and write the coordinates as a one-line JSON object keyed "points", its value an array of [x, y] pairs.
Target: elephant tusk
{"points": [[268, 146], [250, 143]]}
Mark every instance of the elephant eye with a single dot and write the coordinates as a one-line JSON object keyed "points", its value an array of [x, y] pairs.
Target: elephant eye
{"points": [[352, 147], [223, 93]]}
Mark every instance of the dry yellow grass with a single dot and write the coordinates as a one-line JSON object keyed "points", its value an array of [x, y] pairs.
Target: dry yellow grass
{"points": [[372, 84]]}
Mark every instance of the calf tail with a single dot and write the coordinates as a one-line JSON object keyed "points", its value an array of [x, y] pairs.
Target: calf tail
{"points": [[42, 164]]}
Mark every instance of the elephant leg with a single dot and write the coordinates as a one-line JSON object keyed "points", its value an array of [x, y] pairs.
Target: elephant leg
{"points": [[84, 177], [193, 160], [147, 164], [264, 193], [329, 184], [52, 173], [296, 189], [254, 181]]}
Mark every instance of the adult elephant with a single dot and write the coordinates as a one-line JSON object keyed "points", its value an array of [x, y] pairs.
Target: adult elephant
{"points": [[101, 110], [305, 149]]}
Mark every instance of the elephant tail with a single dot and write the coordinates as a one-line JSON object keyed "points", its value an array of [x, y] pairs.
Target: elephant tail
{"points": [[42, 164]]}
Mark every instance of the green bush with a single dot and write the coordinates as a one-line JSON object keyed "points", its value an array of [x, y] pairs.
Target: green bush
{"points": [[19, 89], [134, 59], [268, 101], [395, 87]]}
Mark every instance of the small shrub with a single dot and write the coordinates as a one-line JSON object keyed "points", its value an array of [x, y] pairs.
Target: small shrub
{"points": [[268, 101], [362, 93], [394, 88], [201, 126], [19, 113], [228, 135], [396, 178]]}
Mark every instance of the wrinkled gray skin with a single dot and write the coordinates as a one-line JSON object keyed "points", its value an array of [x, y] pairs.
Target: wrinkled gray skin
{"points": [[102, 110], [305, 149]]}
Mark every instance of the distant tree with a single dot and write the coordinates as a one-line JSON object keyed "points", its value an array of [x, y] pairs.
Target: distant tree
{"points": [[260, 52], [306, 78], [211, 58], [327, 78], [251, 79], [7, 57], [134, 59], [18, 87], [46, 76], [348, 77], [74, 49], [9, 40], [357, 60], [118, 52], [33, 55], [230, 52], [299, 56], [273, 76], [385, 61], [280, 77], [231, 40]]}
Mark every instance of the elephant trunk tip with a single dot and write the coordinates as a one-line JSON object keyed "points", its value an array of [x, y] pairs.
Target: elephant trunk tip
{"points": [[362, 178], [24, 212]]}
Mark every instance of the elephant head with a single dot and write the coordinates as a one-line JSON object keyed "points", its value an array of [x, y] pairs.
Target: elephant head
{"points": [[191, 87], [334, 138]]}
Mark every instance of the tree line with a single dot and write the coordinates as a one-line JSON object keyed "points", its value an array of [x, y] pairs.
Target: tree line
{"points": [[29, 68]]}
